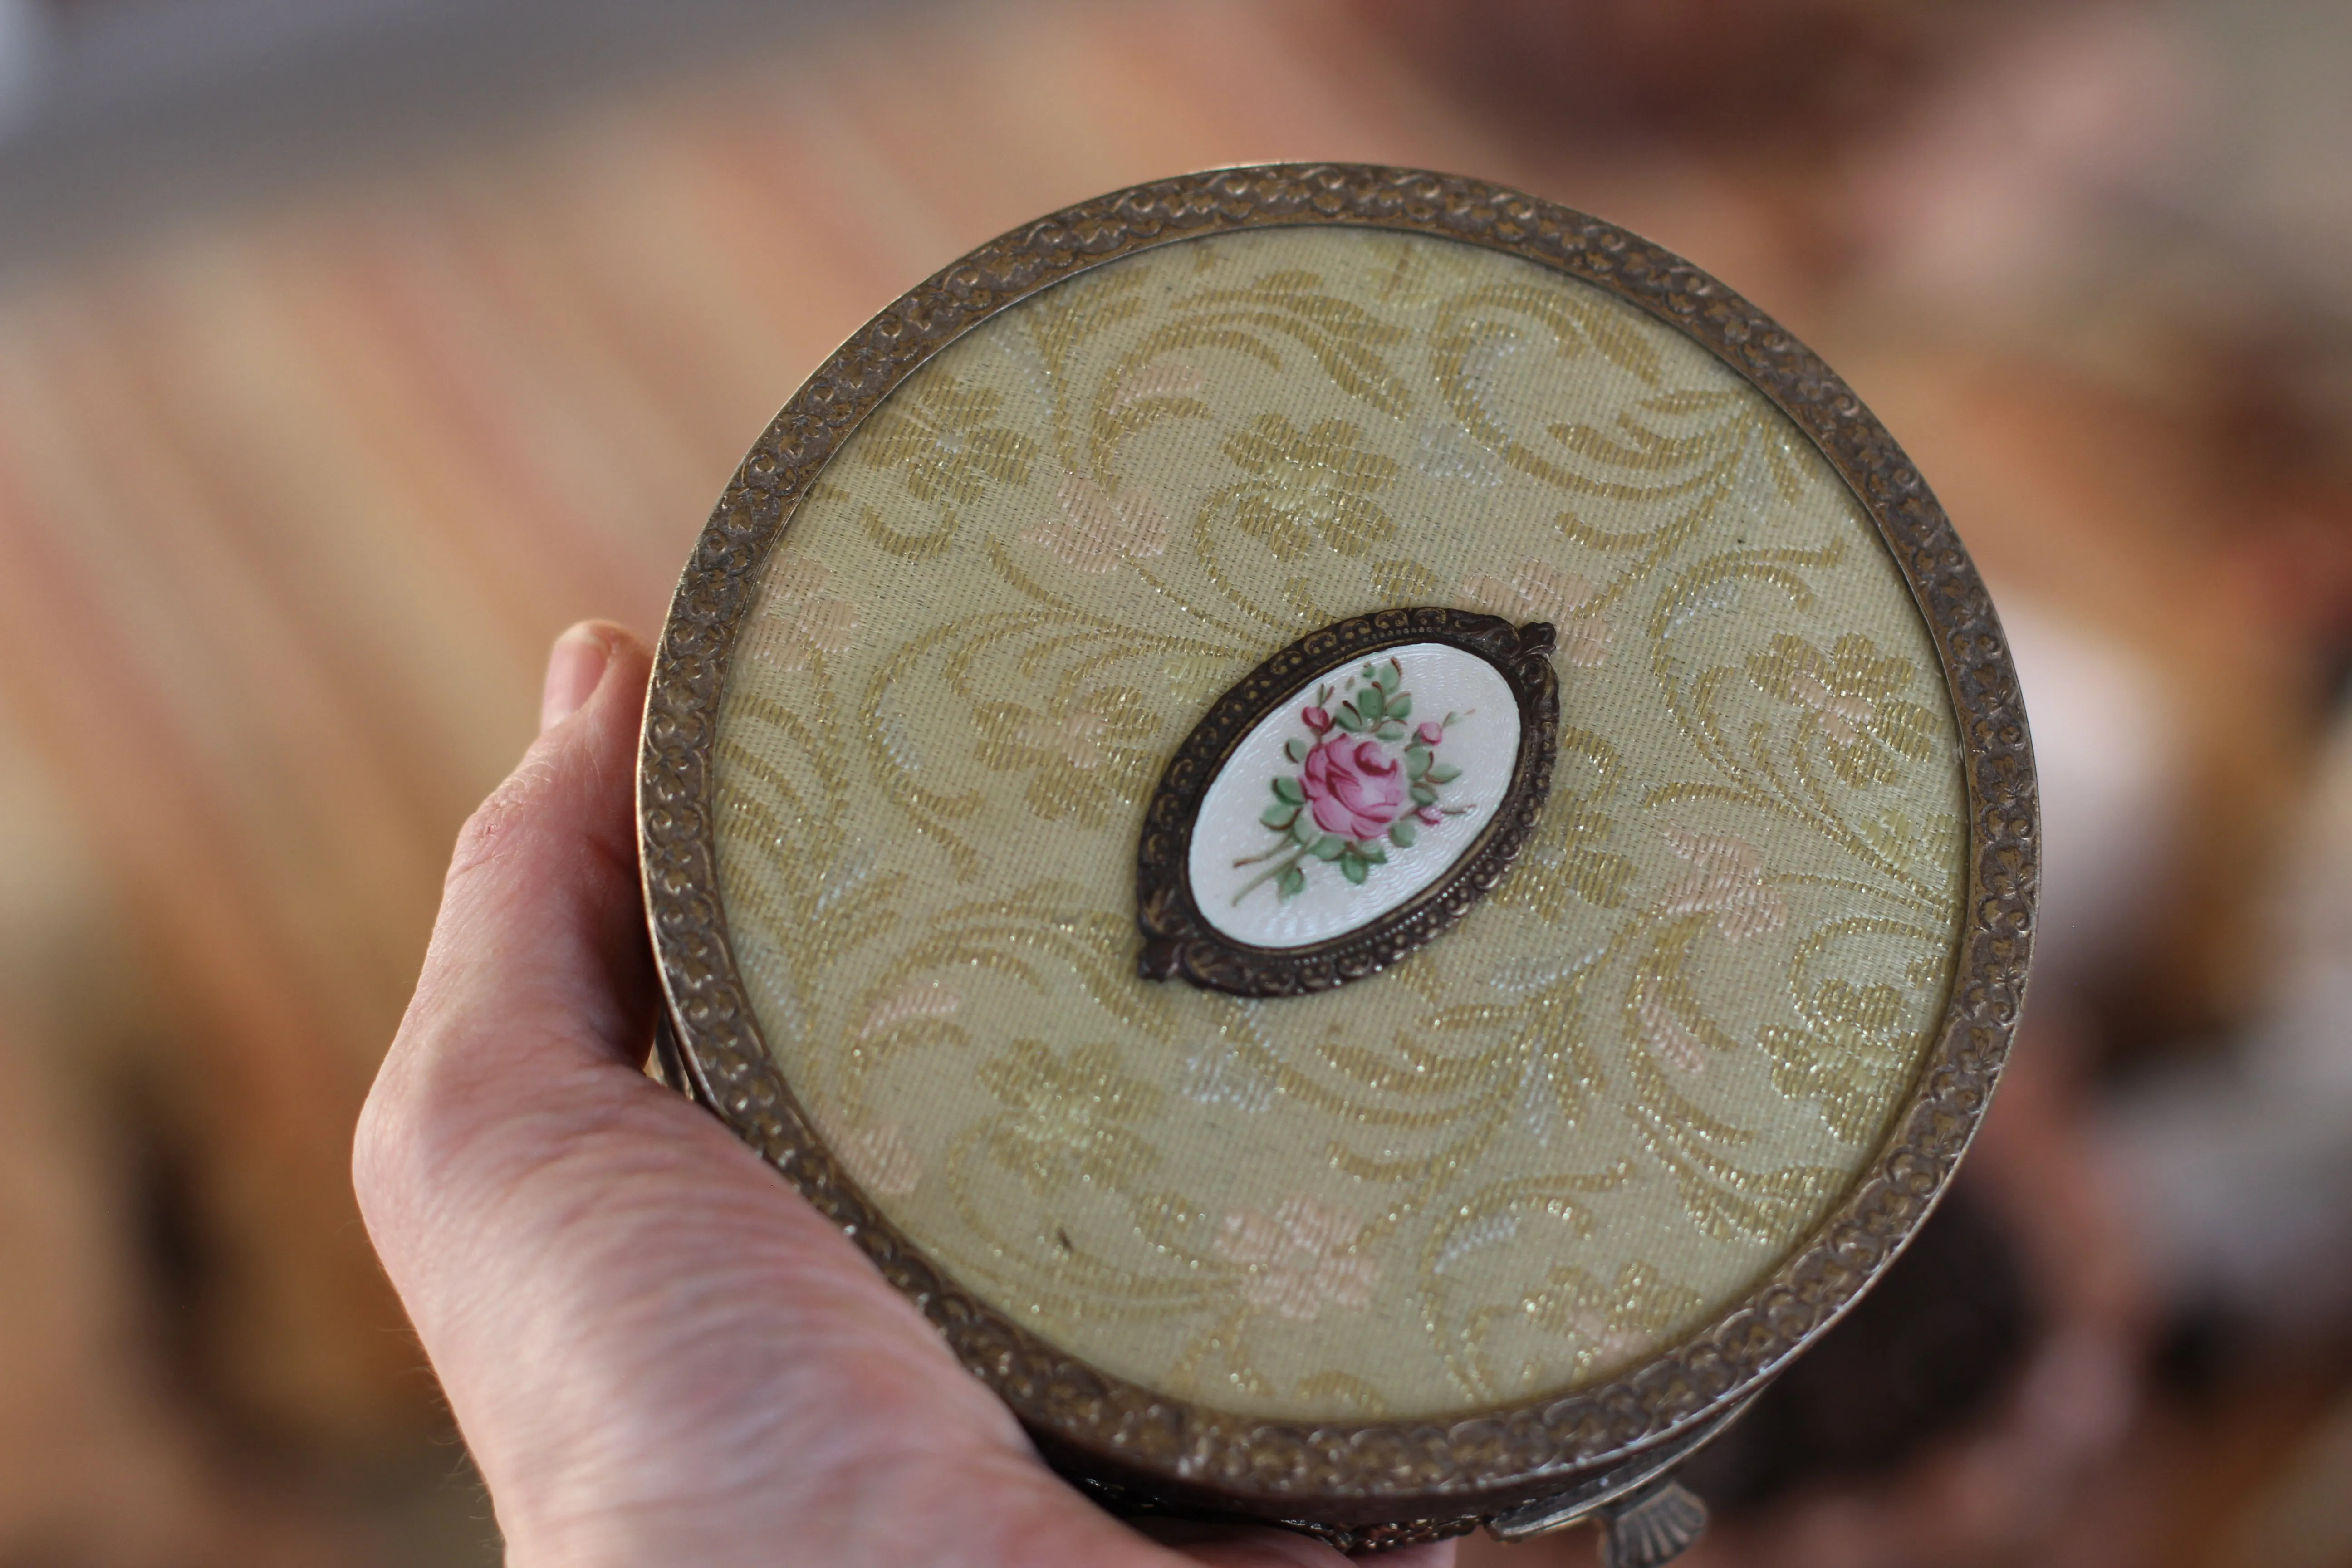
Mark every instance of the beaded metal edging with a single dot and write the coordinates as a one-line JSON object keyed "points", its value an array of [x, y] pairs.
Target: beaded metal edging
{"points": [[1339, 1473]]}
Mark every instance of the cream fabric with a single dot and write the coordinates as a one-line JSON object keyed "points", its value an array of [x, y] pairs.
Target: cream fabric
{"points": [[1573, 1129]]}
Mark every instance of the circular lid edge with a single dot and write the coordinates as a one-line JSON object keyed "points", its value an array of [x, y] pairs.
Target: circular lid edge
{"points": [[1374, 1470]]}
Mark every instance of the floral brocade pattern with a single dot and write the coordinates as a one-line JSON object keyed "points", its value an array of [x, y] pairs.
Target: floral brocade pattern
{"points": [[1565, 1134]]}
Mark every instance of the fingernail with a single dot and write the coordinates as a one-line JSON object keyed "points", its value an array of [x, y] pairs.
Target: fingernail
{"points": [[574, 666]]}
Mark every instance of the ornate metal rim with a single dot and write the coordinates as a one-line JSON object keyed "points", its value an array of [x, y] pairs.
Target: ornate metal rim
{"points": [[1367, 1473], [1179, 940]]}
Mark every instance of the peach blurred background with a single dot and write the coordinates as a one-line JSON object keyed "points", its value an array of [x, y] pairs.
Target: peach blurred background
{"points": [[350, 349]]}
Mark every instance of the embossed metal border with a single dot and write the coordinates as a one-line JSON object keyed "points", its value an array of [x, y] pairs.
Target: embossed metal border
{"points": [[1179, 941], [1352, 1474]]}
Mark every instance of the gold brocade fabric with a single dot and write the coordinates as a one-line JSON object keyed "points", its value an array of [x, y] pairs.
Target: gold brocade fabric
{"points": [[1573, 1129]]}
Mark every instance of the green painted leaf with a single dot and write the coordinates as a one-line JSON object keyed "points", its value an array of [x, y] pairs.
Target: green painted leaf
{"points": [[1298, 749], [1278, 816], [1352, 869], [1423, 795], [1327, 847], [1401, 705], [1348, 718], [1304, 830], [1288, 789], [1387, 676], [1372, 852], [1416, 761], [1372, 702], [1443, 772], [1294, 881], [1402, 833]]}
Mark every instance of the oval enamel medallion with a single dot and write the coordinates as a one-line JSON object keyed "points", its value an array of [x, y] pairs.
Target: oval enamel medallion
{"points": [[1313, 831], [1364, 787]]}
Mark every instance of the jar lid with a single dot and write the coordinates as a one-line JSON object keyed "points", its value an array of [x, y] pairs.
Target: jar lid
{"points": [[1373, 837]]}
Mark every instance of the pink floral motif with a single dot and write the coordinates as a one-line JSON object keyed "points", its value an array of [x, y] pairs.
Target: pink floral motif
{"points": [[1170, 379], [1096, 530], [1080, 736], [1843, 715], [1727, 880], [814, 624], [1853, 695], [1368, 778], [880, 1160], [1669, 1037], [1301, 1258], [918, 1001], [1355, 788], [877, 1155], [1609, 1345], [1536, 591]]}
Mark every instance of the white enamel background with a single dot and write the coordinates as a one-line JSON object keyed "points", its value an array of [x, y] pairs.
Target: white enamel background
{"points": [[1484, 742]]}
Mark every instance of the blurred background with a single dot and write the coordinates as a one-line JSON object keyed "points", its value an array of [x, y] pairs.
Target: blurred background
{"points": [[349, 349]]}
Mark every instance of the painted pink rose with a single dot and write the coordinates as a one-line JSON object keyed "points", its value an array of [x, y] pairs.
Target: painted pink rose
{"points": [[1316, 718], [1354, 787], [1432, 731]]}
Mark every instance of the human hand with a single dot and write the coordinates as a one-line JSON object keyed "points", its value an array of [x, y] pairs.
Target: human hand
{"points": [[656, 1351]]}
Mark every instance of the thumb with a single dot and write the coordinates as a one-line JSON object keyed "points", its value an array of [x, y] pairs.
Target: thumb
{"points": [[536, 989], [543, 899], [634, 1320]]}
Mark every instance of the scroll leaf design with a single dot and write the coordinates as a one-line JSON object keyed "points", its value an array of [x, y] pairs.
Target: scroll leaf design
{"points": [[1309, 486], [1568, 859], [1344, 337], [1072, 1118], [943, 444], [1614, 1320], [945, 448], [1085, 755], [1849, 698]]}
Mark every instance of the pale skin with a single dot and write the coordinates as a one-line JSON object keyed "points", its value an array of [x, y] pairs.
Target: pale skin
{"points": [[656, 1351]]}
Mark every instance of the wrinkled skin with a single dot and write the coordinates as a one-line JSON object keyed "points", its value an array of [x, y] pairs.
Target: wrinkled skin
{"points": [[656, 1351]]}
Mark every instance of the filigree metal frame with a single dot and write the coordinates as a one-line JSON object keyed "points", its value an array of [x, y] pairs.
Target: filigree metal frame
{"points": [[1179, 941], [1351, 1474]]}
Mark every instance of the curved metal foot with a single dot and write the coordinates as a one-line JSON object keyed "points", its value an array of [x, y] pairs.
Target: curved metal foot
{"points": [[1645, 1517], [1654, 1525]]}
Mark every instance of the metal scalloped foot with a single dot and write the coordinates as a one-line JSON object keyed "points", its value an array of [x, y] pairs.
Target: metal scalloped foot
{"points": [[1654, 1525]]}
